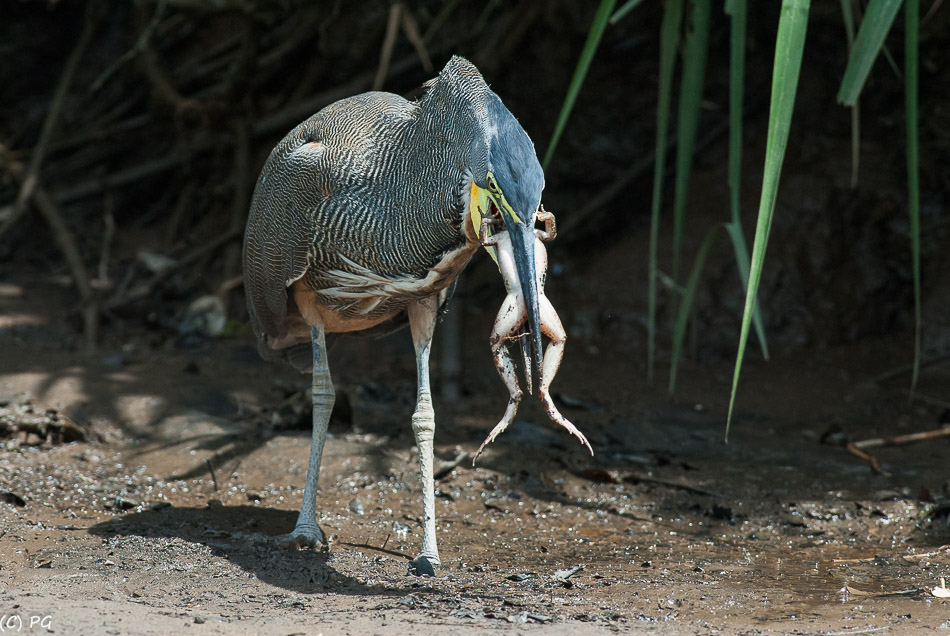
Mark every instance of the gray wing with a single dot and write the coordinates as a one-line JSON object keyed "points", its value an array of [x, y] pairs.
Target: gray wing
{"points": [[280, 227], [302, 212]]}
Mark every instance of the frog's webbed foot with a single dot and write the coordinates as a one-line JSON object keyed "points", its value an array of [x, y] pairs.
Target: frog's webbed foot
{"points": [[486, 233], [549, 233], [501, 340], [505, 422], [560, 420], [553, 329]]}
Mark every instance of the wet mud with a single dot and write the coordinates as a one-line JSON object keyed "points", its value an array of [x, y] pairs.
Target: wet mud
{"points": [[191, 459]]}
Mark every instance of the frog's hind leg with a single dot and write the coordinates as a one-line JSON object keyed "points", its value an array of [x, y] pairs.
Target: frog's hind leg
{"points": [[511, 317], [552, 328]]}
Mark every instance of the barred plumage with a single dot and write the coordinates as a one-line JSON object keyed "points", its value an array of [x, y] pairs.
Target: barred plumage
{"points": [[362, 216], [367, 195]]}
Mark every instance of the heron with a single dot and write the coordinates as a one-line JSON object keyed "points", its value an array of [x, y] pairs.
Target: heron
{"points": [[362, 219]]}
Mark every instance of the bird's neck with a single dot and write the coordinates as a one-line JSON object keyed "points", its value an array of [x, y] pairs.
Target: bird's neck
{"points": [[454, 111]]}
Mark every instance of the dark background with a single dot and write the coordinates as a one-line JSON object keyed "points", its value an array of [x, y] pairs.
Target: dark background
{"points": [[166, 133]]}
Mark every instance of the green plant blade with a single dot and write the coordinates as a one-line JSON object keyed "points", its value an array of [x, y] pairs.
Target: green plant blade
{"points": [[689, 292], [695, 52], [848, 16], [911, 64], [685, 307], [741, 251], [789, 44], [886, 52], [626, 8], [669, 40], [738, 11], [874, 27], [583, 64]]}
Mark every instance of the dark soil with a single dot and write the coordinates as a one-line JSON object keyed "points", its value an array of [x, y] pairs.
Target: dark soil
{"points": [[160, 519]]}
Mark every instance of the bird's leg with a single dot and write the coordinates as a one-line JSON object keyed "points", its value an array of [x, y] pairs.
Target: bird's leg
{"points": [[552, 328], [307, 533], [511, 317], [422, 318]]}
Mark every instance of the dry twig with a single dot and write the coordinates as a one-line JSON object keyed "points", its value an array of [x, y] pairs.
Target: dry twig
{"points": [[382, 548], [898, 440], [69, 247], [857, 448], [926, 555], [389, 42], [144, 38], [30, 178], [146, 289], [870, 459], [411, 30]]}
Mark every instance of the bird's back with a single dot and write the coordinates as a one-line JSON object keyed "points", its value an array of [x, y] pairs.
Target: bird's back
{"points": [[356, 203]]}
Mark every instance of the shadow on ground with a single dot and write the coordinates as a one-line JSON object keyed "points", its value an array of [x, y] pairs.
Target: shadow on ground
{"points": [[244, 536]]}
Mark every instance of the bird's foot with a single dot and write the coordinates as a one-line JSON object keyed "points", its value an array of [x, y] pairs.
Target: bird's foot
{"points": [[562, 421], [423, 565], [303, 536]]}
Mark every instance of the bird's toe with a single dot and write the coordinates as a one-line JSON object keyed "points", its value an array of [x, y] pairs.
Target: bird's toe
{"points": [[301, 538], [423, 566]]}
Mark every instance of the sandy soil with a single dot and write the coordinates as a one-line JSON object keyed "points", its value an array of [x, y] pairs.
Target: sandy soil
{"points": [[159, 522]]}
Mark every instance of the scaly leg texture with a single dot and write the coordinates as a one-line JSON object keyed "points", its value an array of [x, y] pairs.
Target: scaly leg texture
{"points": [[422, 317], [307, 533]]}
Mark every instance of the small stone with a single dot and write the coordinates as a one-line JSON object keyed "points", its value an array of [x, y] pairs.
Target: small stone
{"points": [[401, 530], [12, 498], [540, 618], [568, 573], [125, 503], [356, 506]]}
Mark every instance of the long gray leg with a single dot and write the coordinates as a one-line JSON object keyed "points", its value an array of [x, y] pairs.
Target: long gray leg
{"points": [[307, 533], [422, 317]]}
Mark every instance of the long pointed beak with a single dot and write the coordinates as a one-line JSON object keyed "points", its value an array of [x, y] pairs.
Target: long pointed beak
{"points": [[522, 242]]}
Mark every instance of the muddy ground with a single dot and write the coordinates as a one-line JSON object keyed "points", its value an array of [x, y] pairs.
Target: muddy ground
{"points": [[195, 453]]}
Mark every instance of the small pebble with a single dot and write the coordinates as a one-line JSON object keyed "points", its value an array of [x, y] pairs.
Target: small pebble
{"points": [[401, 530], [125, 503]]}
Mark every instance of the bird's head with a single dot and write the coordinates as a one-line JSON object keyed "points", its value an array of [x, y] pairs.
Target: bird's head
{"points": [[512, 181]]}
